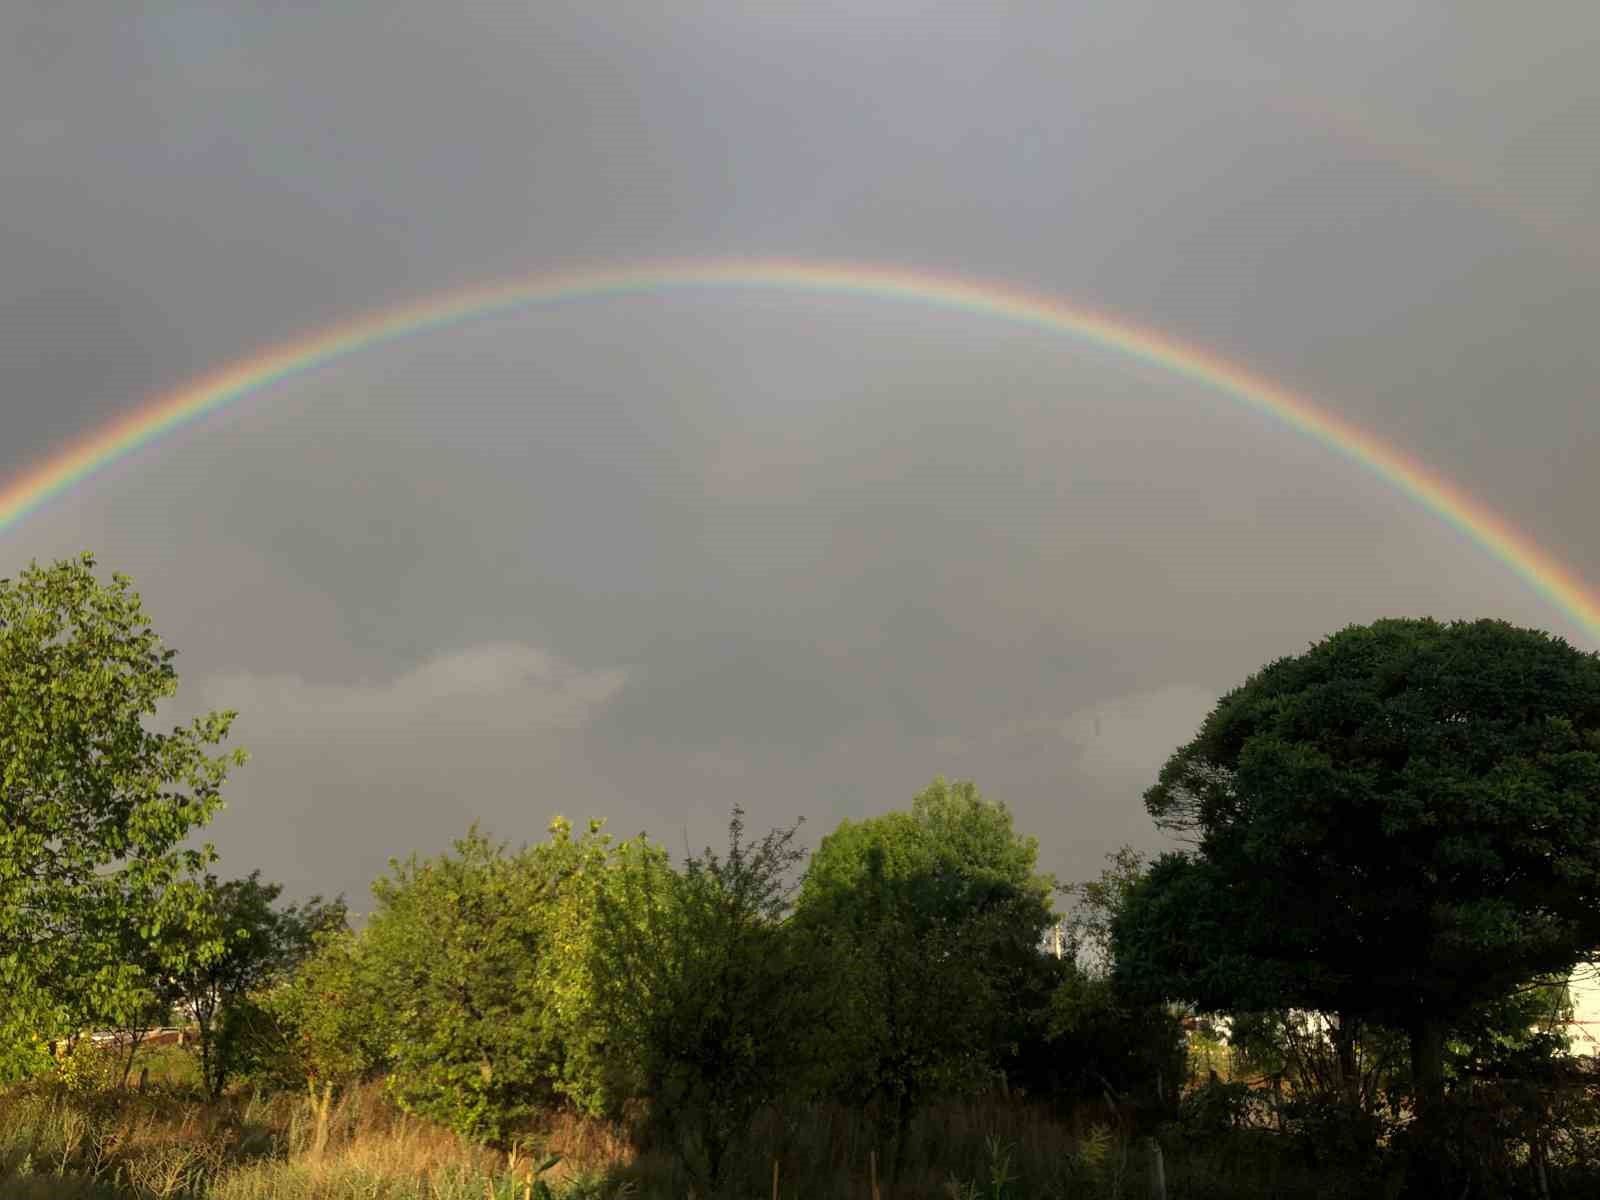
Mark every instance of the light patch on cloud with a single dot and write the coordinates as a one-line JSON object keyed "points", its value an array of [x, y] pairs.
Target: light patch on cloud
{"points": [[502, 689], [1134, 734]]}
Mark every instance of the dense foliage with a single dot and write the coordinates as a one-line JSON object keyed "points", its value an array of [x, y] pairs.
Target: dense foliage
{"points": [[720, 1003], [257, 946], [95, 806], [1399, 825], [940, 915]]}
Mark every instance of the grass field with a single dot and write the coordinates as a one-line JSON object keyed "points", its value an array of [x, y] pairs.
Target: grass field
{"points": [[113, 1143], [89, 1138]]}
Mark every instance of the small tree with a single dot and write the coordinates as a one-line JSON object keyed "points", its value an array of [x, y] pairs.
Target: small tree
{"points": [[95, 806], [259, 945], [1087, 1039], [708, 987], [940, 914], [464, 950], [327, 1025]]}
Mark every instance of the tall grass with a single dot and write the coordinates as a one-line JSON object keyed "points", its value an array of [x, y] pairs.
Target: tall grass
{"points": [[166, 1143], [71, 1138]]}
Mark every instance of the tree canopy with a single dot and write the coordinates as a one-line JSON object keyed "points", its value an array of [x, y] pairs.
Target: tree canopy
{"points": [[719, 1001], [257, 945], [1401, 823], [95, 805], [940, 912]]}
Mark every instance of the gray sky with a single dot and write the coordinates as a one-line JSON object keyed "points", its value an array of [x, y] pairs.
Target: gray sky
{"points": [[647, 557]]}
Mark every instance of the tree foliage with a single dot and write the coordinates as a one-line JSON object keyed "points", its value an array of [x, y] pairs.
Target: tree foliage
{"points": [[717, 998], [257, 945], [328, 1024], [941, 912], [95, 805], [456, 950], [1086, 1039], [1400, 824]]}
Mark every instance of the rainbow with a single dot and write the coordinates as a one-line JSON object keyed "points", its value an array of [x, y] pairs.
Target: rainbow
{"points": [[168, 412], [1379, 137]]}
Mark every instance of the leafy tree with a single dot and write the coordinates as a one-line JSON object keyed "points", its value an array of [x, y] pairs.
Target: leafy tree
{"points": [[596, 1072], [1397, 826], [1086, 1039], [329, 1024], [152, 995], [941, 913], [454, 947], [95, 805], [259, 945], [718, 999], [1093, 1042], [264, 947], [1095, 904], [466, 951]]}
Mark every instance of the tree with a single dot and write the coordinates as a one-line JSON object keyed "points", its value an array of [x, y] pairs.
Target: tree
{"points": [[454, 947], [258, 945], [1096, 903], [1087, 1040], [328, 1024], [472, 954], [95, 805], [1396, 826], [941, 913], [716, 996]]}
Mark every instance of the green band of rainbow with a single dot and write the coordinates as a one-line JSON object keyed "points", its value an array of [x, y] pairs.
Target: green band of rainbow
{"points": [[166, 413]]}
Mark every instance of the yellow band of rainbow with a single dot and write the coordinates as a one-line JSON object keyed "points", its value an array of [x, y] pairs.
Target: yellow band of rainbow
{"points": [[165, 413]]}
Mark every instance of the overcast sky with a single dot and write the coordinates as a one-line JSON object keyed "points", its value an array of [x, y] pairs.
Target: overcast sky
{"points": [[647, 557]]}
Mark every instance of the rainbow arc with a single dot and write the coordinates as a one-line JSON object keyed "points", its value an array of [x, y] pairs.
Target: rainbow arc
{"points": [[165, 413]]}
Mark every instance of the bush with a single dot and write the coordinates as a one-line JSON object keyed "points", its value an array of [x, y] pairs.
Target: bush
{"points": [[328, 1022], [1088, 1042], [87, 1068]]}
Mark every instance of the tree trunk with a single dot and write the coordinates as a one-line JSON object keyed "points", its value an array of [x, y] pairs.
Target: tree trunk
{"points": [[133, 1049], [207, 1055], [1345, 1031], [1427, 1063], [716, 1142], [902, 1122], [320, 1106], [1427, 1168]]}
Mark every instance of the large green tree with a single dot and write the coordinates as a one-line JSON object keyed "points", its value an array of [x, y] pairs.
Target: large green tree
{"points": [[95, 803], [456, 951], [1400, 825], [941, 912]]}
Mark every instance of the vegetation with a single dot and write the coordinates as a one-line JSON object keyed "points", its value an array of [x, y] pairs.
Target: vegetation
{"points": [[254, 947], [717, 1001], [95, 808], [1350, 985], [939, 915], [1397, 826]]}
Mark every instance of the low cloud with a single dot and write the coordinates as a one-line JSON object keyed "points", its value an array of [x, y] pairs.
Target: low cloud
{"points": [[502, 689], [345, 775]]}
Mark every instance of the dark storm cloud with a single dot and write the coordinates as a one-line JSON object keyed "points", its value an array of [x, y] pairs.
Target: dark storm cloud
{"points": [[649, 557]]}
